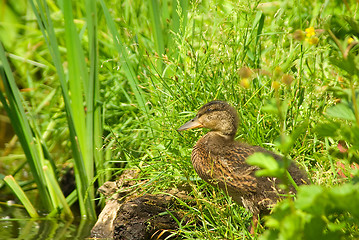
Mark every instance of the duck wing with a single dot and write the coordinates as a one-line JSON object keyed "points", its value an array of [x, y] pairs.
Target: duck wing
{"points": [[225, 166]]}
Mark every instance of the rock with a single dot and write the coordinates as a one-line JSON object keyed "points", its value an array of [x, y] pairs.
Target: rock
{"points": [[129, 215], [104, 227], [145, 217]]}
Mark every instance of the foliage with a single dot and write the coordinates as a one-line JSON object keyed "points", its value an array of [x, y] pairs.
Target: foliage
{"points": [[321, 212], [34, 149], [317, 213], [151, 65], [84, 129]]}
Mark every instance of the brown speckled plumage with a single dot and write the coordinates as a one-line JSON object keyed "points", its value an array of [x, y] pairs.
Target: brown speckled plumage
{"points": [[220, 160]]}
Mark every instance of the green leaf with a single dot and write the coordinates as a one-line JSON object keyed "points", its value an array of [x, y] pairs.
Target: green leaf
{"points": [[349, 65], [311, 199], [284, 143], [269, 166], [346, 198], [270, 106], [339, 92], [354, 24], [328, 129], [355, 136], [341, 111], [292, 227], [314, 227]]}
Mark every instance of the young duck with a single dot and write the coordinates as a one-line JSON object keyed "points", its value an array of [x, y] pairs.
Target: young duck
{"points": [[221, 161]]}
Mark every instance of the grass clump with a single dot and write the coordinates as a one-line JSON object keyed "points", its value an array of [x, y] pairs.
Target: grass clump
{"points": [[287, 67]]}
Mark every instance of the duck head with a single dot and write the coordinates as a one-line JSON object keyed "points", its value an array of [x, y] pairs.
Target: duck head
{"points": [[216, 115]]}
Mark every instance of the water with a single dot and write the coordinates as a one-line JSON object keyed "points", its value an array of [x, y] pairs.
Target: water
{"points": [[15, 224]]}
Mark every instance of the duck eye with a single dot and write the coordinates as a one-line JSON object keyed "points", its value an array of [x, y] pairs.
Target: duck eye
{"points": [[209, 109]]}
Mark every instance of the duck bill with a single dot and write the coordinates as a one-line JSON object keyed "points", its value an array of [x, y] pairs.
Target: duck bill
{"points": [[193, 123]]}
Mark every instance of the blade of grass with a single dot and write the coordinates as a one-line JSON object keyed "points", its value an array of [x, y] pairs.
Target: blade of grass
{"points": [[158, 33], [78, 81], [47, 29], [330, 157], [42, 155], [55, 189], [11, 182], [78, 142], [94, 123], [126, 63], [16, 112]]}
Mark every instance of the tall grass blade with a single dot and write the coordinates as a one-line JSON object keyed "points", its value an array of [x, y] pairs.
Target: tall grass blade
{"points": [[55, 189], [11, 182], [46, 26], [158, 33], [94, 112], [126, 63], [13, 106], [78, 82], [83, 88]]}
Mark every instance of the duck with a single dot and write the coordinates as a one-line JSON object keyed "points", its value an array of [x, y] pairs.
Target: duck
{"points": [[220, 160]]}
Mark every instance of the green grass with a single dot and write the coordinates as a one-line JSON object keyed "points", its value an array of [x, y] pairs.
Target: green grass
{"points": [[152, 65]]}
